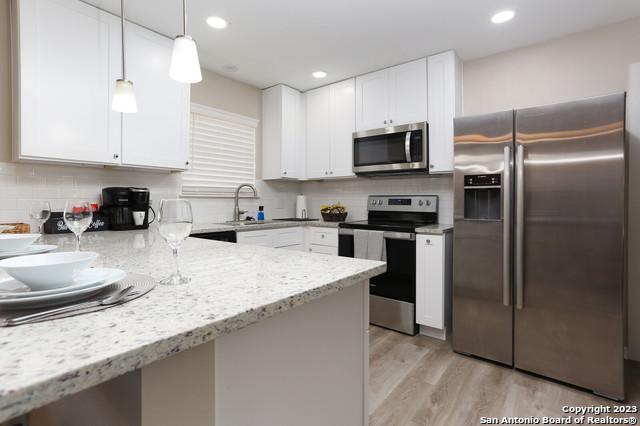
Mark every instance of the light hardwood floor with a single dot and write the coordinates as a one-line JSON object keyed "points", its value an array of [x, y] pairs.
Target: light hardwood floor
{"points": [[417, 380]]}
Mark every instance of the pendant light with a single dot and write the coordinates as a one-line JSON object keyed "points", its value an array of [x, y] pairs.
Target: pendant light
{"points": [[185, 65], [124, 99]]}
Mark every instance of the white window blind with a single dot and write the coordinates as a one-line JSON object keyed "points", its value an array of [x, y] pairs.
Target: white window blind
{"points": [[222, 154]]}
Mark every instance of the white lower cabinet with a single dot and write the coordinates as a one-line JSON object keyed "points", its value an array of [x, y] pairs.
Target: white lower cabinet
{"points": [[310, 239], [434, 267], [256, 238]]}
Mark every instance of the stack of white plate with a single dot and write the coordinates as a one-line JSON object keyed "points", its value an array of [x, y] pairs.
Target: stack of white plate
{"points": [[21, 244], [52, 278]]}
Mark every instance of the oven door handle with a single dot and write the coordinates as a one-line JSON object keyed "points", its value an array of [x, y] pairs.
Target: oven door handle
{"points": [[407, 236], [407, 146]]}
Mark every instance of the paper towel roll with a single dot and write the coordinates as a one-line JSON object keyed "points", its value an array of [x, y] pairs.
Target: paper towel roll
{"points": [[301, 207]]}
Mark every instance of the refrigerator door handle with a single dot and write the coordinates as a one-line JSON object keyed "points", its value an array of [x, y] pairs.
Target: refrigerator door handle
{"points": [[506, 231], [520, 227]]}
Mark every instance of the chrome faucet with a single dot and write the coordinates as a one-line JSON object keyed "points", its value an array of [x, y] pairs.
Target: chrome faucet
{"points": [[236, 210]]}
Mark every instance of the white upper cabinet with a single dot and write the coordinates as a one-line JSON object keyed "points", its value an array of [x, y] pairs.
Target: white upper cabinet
{"points": [[66, 54], [68, 57], [343, 124], [393, 96], [408, 93], [445, 103], [318, 133], [330, 125], [157, 136], [372, 100], [283, 134]]}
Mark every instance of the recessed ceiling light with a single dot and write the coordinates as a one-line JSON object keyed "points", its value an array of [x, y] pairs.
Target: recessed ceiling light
{"points": [[217, 22], [502, 16], [319, 74]]}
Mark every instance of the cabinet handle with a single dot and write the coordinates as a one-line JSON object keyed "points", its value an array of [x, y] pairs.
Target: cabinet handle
{"points": [[330, 173], [321, 235], [326, 173], [428, 242], [284, 173], [115, 156], [431, 166], [385, 121], [390, 121], [186, 163], [310, 250]]}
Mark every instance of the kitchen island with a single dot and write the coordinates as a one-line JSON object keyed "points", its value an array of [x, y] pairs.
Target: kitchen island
{"points": [[259, 336]]}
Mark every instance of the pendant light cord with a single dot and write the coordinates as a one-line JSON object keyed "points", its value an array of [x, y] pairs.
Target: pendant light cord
{"points": [[124, 77], [184, 17]]}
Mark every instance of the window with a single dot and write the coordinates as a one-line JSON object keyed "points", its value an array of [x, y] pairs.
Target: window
{"points": [[222, 154]]}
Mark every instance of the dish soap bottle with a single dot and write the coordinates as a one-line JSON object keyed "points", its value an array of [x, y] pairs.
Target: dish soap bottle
{"points": [[260, 212]]}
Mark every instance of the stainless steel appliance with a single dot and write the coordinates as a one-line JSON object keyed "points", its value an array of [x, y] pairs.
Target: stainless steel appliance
{"points": [[392, 295], [397, 149], [539, 247]]}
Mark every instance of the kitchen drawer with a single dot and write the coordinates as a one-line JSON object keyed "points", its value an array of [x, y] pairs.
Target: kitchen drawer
{"points": [[315, 248], [256, 238], [323, 237], [288, 236]]}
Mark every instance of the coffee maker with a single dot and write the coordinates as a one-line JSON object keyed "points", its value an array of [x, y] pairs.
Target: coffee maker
{"points": [[127, 208]]}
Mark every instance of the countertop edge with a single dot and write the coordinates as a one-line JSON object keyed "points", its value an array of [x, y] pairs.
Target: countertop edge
{"points": [[54, 388]]}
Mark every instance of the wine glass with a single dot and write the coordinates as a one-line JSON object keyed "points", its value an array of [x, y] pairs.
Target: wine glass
{"points": [[77, 217], [40, 211], [175, 220]]}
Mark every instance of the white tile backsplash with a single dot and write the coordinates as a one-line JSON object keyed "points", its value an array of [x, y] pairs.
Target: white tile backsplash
{"points": [[21, 184], [353, 193]]}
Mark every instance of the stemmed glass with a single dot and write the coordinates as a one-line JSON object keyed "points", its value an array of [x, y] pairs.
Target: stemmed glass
{"points": [[175, 220], [40, 211], [77, 217]]}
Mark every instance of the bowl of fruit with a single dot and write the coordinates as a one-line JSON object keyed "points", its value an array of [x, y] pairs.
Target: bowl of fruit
{"points": [[333, 213]]}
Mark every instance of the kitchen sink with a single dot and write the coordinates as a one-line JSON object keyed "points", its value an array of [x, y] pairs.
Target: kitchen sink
{"points": [[247, 222]]}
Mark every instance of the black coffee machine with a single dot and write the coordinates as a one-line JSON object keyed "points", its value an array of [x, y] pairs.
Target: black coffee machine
{"points": [[127, 208]]}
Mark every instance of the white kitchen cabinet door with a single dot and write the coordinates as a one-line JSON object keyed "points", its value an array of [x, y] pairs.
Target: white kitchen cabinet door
{"points": [[67, 59], [157, 135], [319, 150], [256, 238], [445, 103], [433, 281], [372, 100], [283, 134], [293, 142], [430, 281], [284, 237], [342, 119], [408, 93], [314, 248]]}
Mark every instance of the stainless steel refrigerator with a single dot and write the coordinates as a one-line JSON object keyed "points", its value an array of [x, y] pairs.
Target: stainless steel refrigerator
{"points": [[539, 240]]}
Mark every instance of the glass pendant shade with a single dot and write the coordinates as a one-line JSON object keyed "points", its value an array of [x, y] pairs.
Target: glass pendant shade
{"points": [[185, 65], [124, 99]]}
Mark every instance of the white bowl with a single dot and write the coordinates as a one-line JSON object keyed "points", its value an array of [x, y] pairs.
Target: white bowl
{"points": [[17, 242], [48, 271]]}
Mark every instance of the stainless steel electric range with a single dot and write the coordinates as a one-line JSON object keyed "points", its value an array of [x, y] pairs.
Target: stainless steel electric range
{"points": [[394, 218]]}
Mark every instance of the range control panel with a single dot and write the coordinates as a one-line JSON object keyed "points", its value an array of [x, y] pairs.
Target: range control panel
{"points": [[482, 180], [403, 203]]}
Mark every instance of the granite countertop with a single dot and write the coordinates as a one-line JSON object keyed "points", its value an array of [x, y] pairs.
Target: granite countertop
{"points": [[200, 228], [232, 287], [436, 229]]}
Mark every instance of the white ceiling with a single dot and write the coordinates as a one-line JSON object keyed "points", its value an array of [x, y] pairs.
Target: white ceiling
{"points": [[283, 41]]}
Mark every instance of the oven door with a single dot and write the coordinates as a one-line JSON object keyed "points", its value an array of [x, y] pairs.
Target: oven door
{"points": [[391, 149], [399, 282]]}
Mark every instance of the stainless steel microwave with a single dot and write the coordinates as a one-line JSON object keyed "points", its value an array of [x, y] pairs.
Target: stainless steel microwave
{"points": [[397, 149]]}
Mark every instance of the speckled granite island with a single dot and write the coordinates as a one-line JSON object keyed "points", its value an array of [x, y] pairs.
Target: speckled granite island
{"points": [[260, 336]]}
